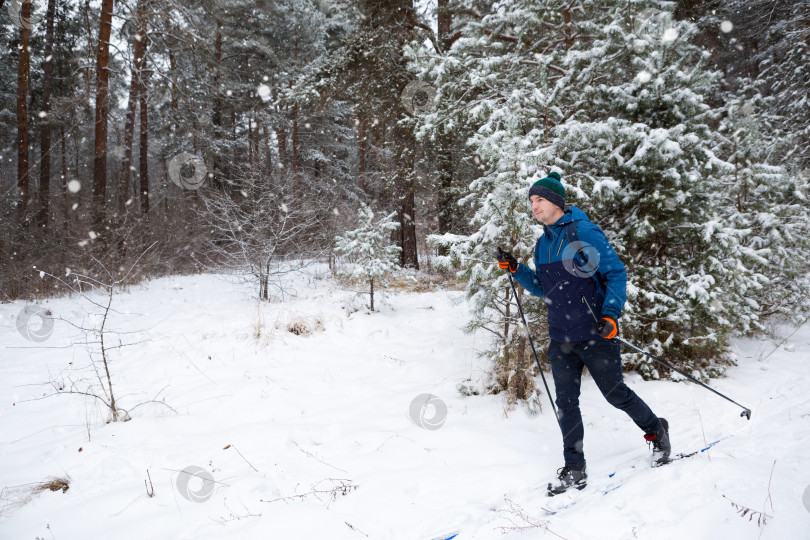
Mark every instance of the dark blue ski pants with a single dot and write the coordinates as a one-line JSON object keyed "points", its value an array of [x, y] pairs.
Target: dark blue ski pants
{"points": [[603, 359]]}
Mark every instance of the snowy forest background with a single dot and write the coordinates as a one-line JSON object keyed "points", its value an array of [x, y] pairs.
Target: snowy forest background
{"points": [[245, 135]]}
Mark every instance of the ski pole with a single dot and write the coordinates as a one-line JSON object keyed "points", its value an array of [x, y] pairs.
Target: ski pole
{"points": [[531, 343], [746, 411]]}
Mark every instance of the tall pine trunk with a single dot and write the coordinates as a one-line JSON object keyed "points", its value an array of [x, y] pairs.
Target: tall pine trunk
{"points": [[363, 148], [445, 200], [23, 69], [406, 195], [139, 48], [102, 112], [250, 123], [281, 138], [406, 233], [405, 143], [143, 161], [217, 118], [64, 175], [444, 160], [45, 133], [295, 144]]}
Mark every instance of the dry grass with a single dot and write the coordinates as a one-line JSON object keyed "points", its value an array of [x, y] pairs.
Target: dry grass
{"points": [[15, 497], [54, 484], [302, 326], [424, 283], [258, 323], [416, 282]]}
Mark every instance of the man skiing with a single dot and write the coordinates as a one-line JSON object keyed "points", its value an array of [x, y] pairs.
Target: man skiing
{"points": [[580, 277]]}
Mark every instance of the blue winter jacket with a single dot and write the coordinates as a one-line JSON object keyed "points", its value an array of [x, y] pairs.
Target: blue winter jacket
{"points": [[562, 276]]}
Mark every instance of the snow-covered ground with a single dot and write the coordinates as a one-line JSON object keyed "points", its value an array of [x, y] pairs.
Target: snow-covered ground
{"points": [[270, 415]]}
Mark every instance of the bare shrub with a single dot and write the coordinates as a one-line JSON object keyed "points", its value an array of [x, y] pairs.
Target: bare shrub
{"points": [[259, 231]]}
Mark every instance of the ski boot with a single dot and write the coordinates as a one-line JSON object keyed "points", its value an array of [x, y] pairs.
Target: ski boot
{"points": [[568, 477], [661, 447]]}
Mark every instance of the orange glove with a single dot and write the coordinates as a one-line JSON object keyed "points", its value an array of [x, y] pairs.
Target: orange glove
{"points": [[506, 261], [607, 327]]}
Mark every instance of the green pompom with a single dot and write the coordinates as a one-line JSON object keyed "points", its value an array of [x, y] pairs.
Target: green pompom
{"points": [[555, 175]]}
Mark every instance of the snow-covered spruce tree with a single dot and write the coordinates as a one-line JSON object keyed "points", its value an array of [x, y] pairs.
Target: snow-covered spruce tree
{"points": [[504, 82], [763, 48], [501, 220], [769, 206], [644, 162], [784, 69], [616, 95], [369, 249]]}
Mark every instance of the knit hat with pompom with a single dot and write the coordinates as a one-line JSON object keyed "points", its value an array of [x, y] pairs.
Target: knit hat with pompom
{"points": [[550, 188]]}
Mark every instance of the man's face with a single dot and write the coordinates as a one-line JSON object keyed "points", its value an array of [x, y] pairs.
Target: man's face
{"points": [[545, 211]]}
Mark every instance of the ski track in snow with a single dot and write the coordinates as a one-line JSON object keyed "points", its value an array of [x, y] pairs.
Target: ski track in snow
{"points": [[332, 407]]}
